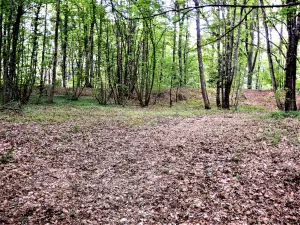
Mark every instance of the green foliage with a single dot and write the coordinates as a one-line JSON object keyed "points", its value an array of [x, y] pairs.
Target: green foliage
{"points": [[282, 115], [274, 135], [75, 128], [251, 108], [7, 157], [166, 170]]}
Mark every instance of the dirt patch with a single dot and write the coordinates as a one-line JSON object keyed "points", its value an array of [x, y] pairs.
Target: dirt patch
{"points": [[264, 98], [217, 169]]}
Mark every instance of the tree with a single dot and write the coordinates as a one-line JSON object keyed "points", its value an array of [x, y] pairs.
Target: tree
{"points": [[274, 82], [51, 96], [293, 28], [200, 61]]}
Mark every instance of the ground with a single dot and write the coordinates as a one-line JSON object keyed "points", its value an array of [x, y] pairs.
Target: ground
{"points": [[114, 165]]}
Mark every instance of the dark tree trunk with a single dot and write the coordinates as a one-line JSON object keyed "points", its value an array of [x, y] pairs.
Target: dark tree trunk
{"points": [[119, 58], [11, 81], [43, 55], [219, 76], [91, 56], [1, 39], [51, 96], [228, 70], [293, 28], [64, 45]]}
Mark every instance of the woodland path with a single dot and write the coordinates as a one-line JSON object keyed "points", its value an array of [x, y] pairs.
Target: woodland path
{"points": [[213, 169]]}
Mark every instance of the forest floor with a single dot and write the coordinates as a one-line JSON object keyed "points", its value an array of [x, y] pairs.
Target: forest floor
{"points": [[82, 165]]}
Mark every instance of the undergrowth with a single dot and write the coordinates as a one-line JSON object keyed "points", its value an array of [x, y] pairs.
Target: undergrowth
{"points": [[282, 115], [87, 109]]}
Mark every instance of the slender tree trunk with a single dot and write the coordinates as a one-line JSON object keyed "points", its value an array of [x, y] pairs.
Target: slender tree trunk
{"points": [[162, 63], [119, 65], [251, 55], [293, 28], [200, 62], [180, 67], [6, 53], [29, 83], [1, 39], [219, 77], [51, 96], [43, 55], [12, 79], [229, 69], [173, 70], [186, 55], [64, 44], [274, 83], [151, 82], [92, 46]]}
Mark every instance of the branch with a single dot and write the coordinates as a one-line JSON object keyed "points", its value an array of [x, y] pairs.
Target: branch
{"points": [[229, 31], [207, 6]]}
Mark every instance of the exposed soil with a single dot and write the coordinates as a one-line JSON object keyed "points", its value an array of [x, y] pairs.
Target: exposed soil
{"points": [[215, 169]]}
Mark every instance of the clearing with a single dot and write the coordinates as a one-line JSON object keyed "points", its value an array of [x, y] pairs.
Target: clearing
{"points": [[113, 165]]}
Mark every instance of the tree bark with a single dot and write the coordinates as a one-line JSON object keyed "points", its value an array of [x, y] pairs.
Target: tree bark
{"points": [[51, 96], [274, 82], [43, 55], [12, 81], [29, 82], [64, 44], [173, 68], [200, 61], [293, 28], [1, 39]]}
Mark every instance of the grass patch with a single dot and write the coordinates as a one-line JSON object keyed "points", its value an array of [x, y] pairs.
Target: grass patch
{"points": [[63, 100], [274, 136], [282, 115], [87, 109], [7, 157], [250, 108]]}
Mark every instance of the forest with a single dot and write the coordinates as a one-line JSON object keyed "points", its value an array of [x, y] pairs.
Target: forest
{"points": [[124, 50], [149, 112]]}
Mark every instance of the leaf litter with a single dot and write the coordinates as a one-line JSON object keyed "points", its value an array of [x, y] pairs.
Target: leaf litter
{"points": [[214, 169]]}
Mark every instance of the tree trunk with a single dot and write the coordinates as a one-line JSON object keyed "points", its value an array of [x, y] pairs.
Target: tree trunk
{"points": [[6, 53], [51, 96], [92, 46], [173, 69], [64, 44], [12, 81], [1, 39], [229, 64], [293, 28], [200, 62], [219, 76], [186, 54], [29, 82], [43, 55], [274, 83]]}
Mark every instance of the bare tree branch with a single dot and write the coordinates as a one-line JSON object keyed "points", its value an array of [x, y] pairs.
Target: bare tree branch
{"points": [[207, 6]]}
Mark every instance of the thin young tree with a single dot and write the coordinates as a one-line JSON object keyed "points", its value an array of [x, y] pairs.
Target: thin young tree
{"points": [[200, 60], [54, 65]]}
